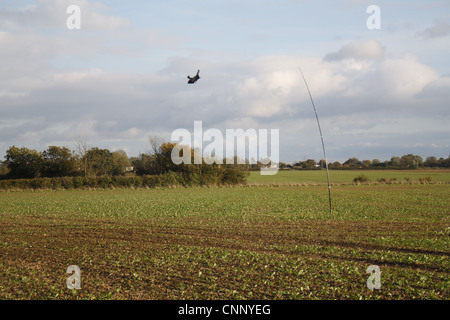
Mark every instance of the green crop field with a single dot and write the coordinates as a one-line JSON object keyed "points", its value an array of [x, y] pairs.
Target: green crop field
{"points": [[347, 176], [254, 242]]}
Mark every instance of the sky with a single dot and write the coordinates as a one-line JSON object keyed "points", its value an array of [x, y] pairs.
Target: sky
{"points": [[122, 76]]}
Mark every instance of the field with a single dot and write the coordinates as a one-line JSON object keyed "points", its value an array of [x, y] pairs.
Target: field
{"points": [[275, 240], [307, 177]]}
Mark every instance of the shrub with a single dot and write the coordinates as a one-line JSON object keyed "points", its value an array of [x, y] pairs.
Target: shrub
{"points": [[171, 179], [135, 182], [41, 183], [361, 179], [104, 182], [120, 181], [426, 179], [392, 181], [90, 182], [197, 177], [234, 176], [78, 182], [5, 184], [67, 182], [148, 181]]}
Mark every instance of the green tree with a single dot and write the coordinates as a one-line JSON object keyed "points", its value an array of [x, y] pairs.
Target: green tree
{"points": [[376, 163], [160, 162], [335, 165], [255, 166], [282, 165], [3, 168], [395, 162], [446, 163], [352, 163], [164, 158], [120, 162], [366, 164], [411, 161], [58, 162], [144, 164], [308, 164], [431, 162], [23, 162], [99, 161], [322, 163]]}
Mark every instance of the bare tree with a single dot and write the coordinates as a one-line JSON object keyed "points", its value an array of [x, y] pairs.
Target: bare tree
{"points": [[82, 148], [155, 144]]}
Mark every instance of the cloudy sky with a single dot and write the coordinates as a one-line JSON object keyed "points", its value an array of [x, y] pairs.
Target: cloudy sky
{"points": [[123, 75]]}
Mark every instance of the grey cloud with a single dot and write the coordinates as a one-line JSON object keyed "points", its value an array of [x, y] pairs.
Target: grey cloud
{"points": [[439, 30], [438, 88], [359, 50], [122, 109]]}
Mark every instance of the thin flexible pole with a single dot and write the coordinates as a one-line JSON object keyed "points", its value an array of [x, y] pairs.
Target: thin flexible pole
{"points": [[321, 137]]}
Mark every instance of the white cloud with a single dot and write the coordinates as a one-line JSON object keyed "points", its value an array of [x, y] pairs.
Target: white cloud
{"points": [[364, 97], [120, 108], [403, 79]]}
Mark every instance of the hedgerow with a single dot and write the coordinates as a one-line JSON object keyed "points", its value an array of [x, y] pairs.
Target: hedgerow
{"points": [[170, 179]]}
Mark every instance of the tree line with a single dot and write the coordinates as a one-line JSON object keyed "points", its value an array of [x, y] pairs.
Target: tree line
{"points": [[408, 161], [56, 161], [92, 162]]}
